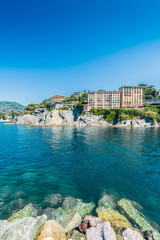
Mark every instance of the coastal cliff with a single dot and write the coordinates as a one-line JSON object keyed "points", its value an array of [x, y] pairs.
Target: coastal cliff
{"points": [[59, 117]]}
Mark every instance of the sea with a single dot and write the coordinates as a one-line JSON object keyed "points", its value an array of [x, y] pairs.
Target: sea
{"points": [[82, 162]]}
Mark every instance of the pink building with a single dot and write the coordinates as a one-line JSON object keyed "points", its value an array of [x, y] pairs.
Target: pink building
{"points": [[131, 97], [103, 99]]}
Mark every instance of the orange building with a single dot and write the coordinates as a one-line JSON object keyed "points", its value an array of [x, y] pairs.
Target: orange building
{"points": [[103, 99], [131, 97], [57, 98]]}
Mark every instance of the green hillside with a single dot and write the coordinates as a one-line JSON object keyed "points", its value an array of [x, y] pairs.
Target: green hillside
{"points": [[7, 107]]}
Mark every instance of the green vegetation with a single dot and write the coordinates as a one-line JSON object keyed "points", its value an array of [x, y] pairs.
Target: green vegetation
{"points": [[149, 92], [31, 108], [45, 104], [117, 115], [80, 99], [7, 107], [3, 116]]}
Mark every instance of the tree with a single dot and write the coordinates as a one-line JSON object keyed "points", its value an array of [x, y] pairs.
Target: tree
{"points": [[149, 92]]}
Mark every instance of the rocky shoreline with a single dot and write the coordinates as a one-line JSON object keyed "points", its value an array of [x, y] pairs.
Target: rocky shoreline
{"points": [[74, 118], [72, 219]]}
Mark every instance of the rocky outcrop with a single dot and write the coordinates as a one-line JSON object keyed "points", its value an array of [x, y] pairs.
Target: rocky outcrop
{"points": [[74, 222], [137, 123], [130, 234], [70, 202], [105, 202], [53, 118], [73, 117], [29, 119], [51, 230], [71, 213], [75, 235], [77, 205], [117, 220], [102, 231], [21, 229], [137, 217], [92, 121], [52, 201], [27, 211], [88, 222], [68, 117]]}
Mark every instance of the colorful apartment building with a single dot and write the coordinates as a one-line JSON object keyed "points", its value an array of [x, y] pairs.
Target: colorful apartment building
{"points": [[57, 98], [131, 97], [103, 99]]}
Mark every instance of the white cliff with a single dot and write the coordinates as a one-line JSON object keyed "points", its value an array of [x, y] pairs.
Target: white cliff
{"points": [[59, 117]]}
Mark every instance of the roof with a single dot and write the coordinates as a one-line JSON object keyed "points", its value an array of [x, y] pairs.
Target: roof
{"points": [[104, 91], [132, 86], [57, 95]]}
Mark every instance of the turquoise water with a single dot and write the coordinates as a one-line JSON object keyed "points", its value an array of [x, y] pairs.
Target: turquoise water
{"points": [[79, 162]]}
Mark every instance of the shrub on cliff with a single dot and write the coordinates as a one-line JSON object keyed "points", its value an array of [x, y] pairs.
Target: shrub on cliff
{"points": [[111, 117]]}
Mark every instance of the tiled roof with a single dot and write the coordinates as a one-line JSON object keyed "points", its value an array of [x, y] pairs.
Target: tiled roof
{"points": [[57, 95]]}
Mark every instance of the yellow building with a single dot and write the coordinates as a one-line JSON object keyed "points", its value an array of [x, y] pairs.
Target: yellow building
{"points": [[57, 98]]}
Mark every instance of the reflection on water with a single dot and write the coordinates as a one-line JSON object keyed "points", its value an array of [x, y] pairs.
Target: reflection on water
{"points": [[79, 162]]}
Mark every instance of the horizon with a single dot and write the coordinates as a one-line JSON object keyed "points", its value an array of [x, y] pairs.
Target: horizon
{"points": [[58, 48]]}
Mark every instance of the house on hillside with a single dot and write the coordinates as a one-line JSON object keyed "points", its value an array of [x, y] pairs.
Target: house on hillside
{"points": [[78, 94], [57, 98]]}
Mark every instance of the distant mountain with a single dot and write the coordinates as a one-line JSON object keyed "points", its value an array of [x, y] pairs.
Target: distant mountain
{"points": [[7, 107]]}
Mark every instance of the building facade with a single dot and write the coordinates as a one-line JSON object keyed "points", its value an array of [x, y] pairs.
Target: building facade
{"points": [[78, 94], [131, 97], [103, 99], [57, 98]]}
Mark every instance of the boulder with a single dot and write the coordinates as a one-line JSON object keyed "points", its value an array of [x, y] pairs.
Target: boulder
{"points": [[67, 218], [70, 202], [130, 234], [84, 209], [102, 231], [137, 217], [105, 202], [54, 200], [62, 216], [27, 211], [116, 219], [51, 230], [23, 229], [148, 235], [88, 222], [74, 222], [75, 235], [76, 205], [4, 225]]}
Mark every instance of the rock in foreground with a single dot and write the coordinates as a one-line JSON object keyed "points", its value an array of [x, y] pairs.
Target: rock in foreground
{"points": [[27, 211], [102, 231], [53, 230], [116, 219], [75, 235], [137, 217], [130, 234], [88, 222], [23, 229]]}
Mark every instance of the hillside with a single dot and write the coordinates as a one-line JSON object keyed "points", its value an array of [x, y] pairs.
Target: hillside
{"points": [[7, 107]]}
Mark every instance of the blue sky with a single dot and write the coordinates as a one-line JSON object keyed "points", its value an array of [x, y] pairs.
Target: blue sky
{"points": [[52, 46]]}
